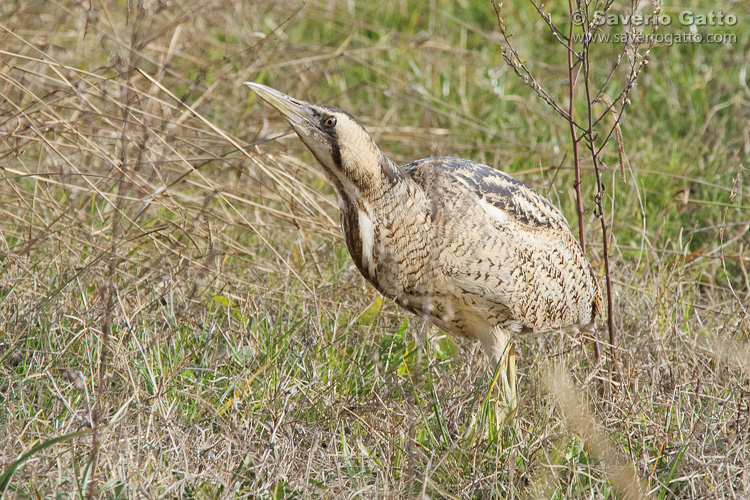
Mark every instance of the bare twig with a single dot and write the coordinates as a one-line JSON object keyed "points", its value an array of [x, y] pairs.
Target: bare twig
{"points": [[580, 14], [574, 138], [599, 203], [513, 59]]}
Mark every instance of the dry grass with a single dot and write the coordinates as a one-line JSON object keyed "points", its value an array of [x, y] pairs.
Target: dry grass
{"points": [[179, 317]]}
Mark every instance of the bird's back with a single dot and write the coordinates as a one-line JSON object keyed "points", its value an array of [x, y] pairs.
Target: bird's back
{"points": [[500, 254]]}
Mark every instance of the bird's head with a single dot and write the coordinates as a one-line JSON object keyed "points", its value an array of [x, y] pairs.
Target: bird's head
{"points": [[347, 153]]}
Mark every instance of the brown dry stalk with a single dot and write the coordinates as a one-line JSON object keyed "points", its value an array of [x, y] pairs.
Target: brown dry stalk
{"points": [[599, 200], [581, 421], [574, 139], [618, 133]]}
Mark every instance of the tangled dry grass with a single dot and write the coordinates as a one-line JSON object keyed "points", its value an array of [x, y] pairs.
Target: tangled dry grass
{"points": [[179, 317]]}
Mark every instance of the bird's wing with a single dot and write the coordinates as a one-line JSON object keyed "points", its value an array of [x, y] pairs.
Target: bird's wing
{"points": [[497, 188]]}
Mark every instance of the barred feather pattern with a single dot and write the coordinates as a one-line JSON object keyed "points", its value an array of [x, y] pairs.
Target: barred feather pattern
{"points": [[474, 250]]}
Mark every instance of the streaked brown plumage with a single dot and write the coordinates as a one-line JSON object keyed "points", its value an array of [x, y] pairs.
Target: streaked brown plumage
{"points": [[473, 249]]}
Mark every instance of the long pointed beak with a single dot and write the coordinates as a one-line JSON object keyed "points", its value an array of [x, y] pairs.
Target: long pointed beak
{"points": [[295, 111]]}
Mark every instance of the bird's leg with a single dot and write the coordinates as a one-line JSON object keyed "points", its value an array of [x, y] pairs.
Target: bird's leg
{"points": [[421, 332], [501, 352], [421, 337]]}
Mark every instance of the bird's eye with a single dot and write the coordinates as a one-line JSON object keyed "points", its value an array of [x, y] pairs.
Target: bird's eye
{"points": [[330, 122]]}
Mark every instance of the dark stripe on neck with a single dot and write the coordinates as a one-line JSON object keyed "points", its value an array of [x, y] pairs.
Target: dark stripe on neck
{"points": [[335, 149], [336, 157]]}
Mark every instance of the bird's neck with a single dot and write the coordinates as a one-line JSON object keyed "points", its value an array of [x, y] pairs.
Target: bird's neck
{"points": [[385, 177], [367, 181], [379, 221]]}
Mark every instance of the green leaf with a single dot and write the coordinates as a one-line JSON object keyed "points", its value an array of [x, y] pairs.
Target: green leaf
{"points": [[221, 300], [368, 316], [5, 477]]}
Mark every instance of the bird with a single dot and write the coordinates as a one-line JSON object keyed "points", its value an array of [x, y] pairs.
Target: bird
{"points": [[469, 248]]}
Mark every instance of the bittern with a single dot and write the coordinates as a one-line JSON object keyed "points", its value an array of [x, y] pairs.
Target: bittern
{"points": [[473, 249]]}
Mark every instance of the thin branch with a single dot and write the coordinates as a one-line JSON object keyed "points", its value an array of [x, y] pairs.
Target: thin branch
{"points": [[574, 138], [598, 198], [514, 61]]}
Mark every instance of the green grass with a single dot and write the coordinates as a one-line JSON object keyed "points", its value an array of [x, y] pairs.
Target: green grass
{"points": [[240, 352]]}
